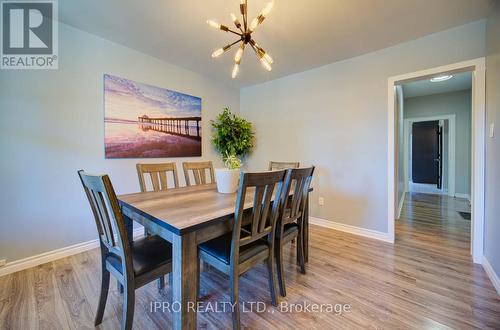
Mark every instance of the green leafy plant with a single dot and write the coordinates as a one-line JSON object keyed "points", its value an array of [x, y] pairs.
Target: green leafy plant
{"points": [[232, 162], [233, 137]]}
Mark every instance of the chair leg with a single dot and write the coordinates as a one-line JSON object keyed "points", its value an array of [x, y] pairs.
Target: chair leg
{"points": [[278, 248], [128, 307], [272, 277], [235, 300], [103, 297], [161, 283], [198, 287], [300, 252]]}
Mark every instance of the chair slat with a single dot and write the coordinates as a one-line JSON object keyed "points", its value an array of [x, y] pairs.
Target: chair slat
{"points": [[154, 181], [163, 180], [158, 175], [266, 203], [199, 171]]}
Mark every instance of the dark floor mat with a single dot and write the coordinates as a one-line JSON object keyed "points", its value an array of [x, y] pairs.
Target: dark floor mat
{"points": [[465, 215]]}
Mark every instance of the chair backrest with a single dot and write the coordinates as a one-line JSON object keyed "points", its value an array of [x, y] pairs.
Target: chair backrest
{"points": [[199, 170], [273, 166], [107, 214], [297, 180], [158, 174], [267, 185]]}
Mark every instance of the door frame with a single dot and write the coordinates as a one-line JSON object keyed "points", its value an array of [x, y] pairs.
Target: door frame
{"points": [[451, 149], [478, 69]]}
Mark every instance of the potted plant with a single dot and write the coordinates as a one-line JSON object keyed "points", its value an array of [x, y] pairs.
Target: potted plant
{"points": [[233, 138]]}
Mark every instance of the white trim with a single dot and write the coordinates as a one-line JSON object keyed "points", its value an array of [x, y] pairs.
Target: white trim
{"points": [[401, 203], [33, 261], [451, 148], [477, 67], [378, 235], [495, 280], [460, 195]]}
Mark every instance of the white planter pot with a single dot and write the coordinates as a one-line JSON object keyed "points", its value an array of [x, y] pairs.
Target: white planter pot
{"points": [[227, 180]]}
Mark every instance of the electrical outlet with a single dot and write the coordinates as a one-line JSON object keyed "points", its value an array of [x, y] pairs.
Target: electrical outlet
{"points": [[3, 262], [492, 130], [321, 201]]}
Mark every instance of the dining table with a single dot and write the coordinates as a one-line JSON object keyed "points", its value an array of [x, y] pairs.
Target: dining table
{"points": [[186, 217]]}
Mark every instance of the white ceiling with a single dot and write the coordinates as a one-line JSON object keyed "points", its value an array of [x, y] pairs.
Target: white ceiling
{"points": [[299, 34], [459, 82]]}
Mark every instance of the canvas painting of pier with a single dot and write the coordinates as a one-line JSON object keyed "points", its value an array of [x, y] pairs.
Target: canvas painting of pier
{"points": [[144, 121]]}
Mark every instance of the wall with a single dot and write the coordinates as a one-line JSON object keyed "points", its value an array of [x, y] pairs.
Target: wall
{"points": [[52, 125], [459, 104], [492, 193], [335, 117]]}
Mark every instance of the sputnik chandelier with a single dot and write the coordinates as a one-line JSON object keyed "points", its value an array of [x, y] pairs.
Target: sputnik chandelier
{"points": [[245, 37]]}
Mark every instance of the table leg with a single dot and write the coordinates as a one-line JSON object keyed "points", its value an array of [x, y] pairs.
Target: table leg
{"points": [[185, 259], [306, 231]]}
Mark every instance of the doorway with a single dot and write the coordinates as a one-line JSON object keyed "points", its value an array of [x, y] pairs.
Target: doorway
{"points": [[445, 158], [477, 68]]}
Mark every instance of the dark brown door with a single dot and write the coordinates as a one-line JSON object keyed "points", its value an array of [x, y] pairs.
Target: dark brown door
{"points": [[425, 152]]}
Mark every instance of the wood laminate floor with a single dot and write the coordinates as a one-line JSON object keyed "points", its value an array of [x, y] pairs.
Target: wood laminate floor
{"points": [[425, 281]]}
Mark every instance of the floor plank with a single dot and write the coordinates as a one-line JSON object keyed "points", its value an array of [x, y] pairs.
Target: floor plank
{"points": [[425, 280]]}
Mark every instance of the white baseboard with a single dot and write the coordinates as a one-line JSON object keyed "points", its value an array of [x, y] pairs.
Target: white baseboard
{"points": [[400, 206], [33, 261], [351, 229], [459, 195], [491, 274]]}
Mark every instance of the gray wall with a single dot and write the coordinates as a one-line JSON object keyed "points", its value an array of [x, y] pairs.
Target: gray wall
{"points": [[52, 125], [492, 225], [335, 117], [459, 104]]}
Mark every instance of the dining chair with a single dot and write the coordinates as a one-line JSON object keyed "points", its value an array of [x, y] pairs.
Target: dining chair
{"points": [[158, 174], [133, 263], [199, 170], [290, 223], [238, 251], [273, 166]]}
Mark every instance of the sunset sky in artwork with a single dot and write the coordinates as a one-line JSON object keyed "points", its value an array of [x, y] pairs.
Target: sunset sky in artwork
{"points": [[126, 99]]}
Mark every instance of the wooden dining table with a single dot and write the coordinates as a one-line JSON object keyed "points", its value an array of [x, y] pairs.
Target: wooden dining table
{"points": [[186, 217]]}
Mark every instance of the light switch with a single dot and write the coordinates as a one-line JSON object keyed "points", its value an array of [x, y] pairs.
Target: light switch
{"points": [[492, 130], [321, 201]]}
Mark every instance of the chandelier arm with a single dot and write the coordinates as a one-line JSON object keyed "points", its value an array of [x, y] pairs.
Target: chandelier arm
{"points": [[232, 31], [245, 16], [234, 43], [255, 50]]}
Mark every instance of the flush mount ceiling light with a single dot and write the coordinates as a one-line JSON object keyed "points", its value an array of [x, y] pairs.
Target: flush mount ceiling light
{"points": [[441, 78], [245, 36]]}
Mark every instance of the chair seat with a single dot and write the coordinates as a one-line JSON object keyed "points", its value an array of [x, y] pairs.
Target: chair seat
{"points": [[220, 248], [290, 229], [148, 253]]}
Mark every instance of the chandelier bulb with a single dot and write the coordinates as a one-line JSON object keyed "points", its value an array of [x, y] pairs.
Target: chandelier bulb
{"points": [[236, 69], [265, 64], [213, 24]]}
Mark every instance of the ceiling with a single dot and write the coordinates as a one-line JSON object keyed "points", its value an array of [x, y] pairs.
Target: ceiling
{"points": [[459, 82], [299, 35]]}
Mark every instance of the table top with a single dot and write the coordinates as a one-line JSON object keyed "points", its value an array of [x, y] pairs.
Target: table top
{"points": [[185, 209]]}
